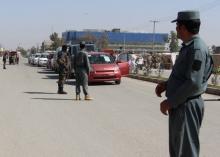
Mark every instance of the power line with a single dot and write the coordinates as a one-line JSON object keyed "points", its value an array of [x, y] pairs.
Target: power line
{"points": [[203, 8]]}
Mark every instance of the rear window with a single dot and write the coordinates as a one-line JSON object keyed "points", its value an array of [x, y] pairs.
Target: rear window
{"points": [[90, 48], [100, 59]]}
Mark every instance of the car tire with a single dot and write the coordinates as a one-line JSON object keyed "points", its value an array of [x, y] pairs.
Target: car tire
{"points": [[118, 82]]}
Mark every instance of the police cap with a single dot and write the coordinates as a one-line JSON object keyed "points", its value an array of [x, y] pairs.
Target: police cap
{"points": [[64, 47], [187, 15]]}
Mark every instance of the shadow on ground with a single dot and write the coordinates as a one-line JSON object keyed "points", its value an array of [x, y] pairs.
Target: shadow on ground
{"points": [[39, 93], [73, 82], [52, 77], [51, 99], [101, 84], [70, 82], [46, 72]]}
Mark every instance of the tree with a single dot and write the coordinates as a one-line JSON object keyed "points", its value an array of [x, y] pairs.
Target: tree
{"points": [[88, 37], [173, 42], [213, 48], [56, 41], [43, 47], [102, 42], [33, 50], [22, 50]]}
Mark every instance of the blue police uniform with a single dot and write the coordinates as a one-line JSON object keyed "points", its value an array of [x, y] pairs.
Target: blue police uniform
{"points": [[188, 80], [185, 85], [82, 68]]}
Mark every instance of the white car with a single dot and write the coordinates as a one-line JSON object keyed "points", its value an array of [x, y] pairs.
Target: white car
{"points": [[43, 59], [36, 57]]}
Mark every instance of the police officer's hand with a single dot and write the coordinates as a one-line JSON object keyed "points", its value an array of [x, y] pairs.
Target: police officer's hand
{"points": [[165, 106], [161, 87]]}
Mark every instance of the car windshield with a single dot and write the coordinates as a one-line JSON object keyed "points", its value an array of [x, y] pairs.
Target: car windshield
{"points": [[43, 56], [90, 48], [100, 59]]}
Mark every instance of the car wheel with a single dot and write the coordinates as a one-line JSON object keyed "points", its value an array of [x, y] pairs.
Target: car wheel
{"points": [[118, 81]]}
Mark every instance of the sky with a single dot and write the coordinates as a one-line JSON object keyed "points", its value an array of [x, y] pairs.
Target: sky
{"points": [[28, 23]]}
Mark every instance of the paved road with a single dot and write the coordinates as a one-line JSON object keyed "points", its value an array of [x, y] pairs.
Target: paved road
{"points": [[123, 120]]}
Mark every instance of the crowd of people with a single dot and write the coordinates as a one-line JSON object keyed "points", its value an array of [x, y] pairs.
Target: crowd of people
{"points": [[12, 57], [149, 61]]}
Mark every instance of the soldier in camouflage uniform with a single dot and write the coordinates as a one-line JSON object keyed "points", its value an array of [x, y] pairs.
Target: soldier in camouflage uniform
{"points": [[82, 69], [184, 87], [63, 62]]}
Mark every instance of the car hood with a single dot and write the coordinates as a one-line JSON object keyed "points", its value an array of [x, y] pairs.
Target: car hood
{"points": [[43, 59], [104, 67]]}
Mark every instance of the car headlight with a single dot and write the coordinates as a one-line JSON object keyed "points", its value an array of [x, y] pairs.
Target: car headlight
{"points": [[91, 69], [116, 70]]}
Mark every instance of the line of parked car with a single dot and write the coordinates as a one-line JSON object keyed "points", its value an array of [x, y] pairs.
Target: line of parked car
{"points": [[104, 67], [38, 59]]}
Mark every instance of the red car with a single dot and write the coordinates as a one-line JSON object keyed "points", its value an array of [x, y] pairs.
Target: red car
{"points": [[103, 68]]}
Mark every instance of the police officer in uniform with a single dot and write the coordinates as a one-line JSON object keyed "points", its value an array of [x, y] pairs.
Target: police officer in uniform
{"points": [[82, 69], [63, 62], [188, 80]]}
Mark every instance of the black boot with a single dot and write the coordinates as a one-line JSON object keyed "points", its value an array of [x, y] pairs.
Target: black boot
{"points": [[60, 91]]}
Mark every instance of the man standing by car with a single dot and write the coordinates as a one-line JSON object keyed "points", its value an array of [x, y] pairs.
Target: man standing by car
{"points": [[82, 69], [184, 87], [63, 62]]}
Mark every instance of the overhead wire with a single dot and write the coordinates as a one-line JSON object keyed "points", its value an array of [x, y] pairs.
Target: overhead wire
{"points": [[203, 8]]}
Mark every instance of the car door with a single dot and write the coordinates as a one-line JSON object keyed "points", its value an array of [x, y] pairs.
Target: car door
{"points": [[122, 62]]}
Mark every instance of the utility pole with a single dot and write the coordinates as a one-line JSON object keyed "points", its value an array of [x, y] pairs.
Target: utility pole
{"points": [[124, 41], [154, 21]]}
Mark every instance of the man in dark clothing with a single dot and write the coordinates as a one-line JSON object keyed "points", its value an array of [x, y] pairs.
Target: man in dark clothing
{"points": [[63, 62], [4, 60], [186, 83], [82, 69]]}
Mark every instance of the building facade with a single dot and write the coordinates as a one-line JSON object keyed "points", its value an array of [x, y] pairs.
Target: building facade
{"points": [[120, 40]]}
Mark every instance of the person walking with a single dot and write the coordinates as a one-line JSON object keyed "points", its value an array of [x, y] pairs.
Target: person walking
{"points": [[188, 80], [82, 69], [63, 62], [4, 58]]}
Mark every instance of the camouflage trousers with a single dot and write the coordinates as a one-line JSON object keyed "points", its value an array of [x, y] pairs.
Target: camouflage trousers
{"points": [[81, 80], [4, 63], [62, 78]]}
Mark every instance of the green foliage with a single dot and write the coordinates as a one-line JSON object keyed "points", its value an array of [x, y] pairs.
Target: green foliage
{"points": [[213, 48], [56, 41], [173, 42], [216, 70], [42, 47], [22, 50], [88, 37], [33, 50], [102, 42]]}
